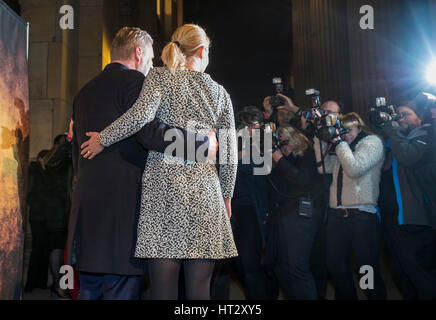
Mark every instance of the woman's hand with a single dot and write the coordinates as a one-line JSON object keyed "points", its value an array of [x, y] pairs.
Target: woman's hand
{"points": [[337, 138], [213, 145], [92, 147], [277, 156], [228, 204]]}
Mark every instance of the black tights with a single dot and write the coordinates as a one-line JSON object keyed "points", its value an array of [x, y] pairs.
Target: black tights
{"points": [[164, 278]]}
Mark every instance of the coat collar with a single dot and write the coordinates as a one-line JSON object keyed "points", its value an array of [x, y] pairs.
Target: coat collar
{"points": [[115, 65]]}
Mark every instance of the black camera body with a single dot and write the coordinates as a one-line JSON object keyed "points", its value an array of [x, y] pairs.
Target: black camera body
{"points": [[329, 124], [276, 101], [381, 112], [325, 124]]}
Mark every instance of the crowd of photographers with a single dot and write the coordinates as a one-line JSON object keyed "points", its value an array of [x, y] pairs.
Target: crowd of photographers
{"points": [[336, 189]]}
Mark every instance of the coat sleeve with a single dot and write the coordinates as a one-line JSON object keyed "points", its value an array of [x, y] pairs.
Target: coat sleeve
{"points": [[228, 154], [141, 113], [299, 177], [408, 152], [369, 153], [152, 137], [329, 160]]}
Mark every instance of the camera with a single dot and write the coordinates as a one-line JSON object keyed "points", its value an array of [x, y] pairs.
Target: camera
{"points": [[329, 123], [381, 112], [315, 111], [325, 124], [276, 101]]}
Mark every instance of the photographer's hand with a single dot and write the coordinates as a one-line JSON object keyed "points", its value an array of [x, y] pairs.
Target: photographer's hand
{"points": [[277, 156], [267, 106], [336, 139], [289, 104]]}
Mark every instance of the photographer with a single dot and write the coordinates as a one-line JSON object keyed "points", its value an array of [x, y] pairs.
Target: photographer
{"points": [[307, 127], [249, 210], [295, 211], [408, 199], [353, 223]]}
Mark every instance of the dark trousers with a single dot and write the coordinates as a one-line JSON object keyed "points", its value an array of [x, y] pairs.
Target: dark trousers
{"points": [[416, 246], [318, 257], [357, 234], [38, 264], [392, 240], [295, 240], [248, 264], [109, 287]]}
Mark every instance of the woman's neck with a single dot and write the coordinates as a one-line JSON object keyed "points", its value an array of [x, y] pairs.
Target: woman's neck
{"points": [[193, 64]]}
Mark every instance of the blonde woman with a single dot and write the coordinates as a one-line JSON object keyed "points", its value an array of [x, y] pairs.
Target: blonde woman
{"points": [[296, 208], [353, 225], [185, 206]]}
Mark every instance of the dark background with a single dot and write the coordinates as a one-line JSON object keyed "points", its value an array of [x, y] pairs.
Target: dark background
{"points": [[251, 44]]}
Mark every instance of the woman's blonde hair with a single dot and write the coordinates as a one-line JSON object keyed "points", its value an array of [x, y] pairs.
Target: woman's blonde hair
{"points": [[298, 139], [185, 41], [352, 119]]}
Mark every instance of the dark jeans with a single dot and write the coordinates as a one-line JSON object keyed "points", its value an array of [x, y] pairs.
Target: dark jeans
{"points": [[392, 238], [318, 257], [293, 249], [44, 241], [416, 246], [248, 264], [357, 234]]}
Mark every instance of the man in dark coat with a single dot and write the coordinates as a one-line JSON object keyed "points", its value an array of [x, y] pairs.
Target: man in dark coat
{"points": [[407, 201], [107, 189]]}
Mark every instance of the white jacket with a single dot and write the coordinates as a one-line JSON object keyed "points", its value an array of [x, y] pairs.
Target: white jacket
{"points": [[361, 171]]}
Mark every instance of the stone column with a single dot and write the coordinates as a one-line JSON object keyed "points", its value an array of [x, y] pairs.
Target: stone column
{"points": [[53, 65]]}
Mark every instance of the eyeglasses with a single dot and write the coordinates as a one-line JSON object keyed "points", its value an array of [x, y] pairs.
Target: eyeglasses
{"points": [[284, 142]]}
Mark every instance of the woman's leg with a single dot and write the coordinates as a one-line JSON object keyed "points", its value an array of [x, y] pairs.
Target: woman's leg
{"points": [[164, 278], [198, 274], [339, 257]]}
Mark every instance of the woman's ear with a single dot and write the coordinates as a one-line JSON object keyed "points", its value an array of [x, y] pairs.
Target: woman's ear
{"points": [[200, 52]]}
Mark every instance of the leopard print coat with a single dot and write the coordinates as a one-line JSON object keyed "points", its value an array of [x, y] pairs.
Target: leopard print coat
{"points": [[182, 209]]}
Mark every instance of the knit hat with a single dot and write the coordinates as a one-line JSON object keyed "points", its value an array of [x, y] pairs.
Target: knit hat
{"points": [[416, 107]]}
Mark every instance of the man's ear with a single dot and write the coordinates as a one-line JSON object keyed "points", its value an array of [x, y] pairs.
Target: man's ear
{"points": [[138, 53]]}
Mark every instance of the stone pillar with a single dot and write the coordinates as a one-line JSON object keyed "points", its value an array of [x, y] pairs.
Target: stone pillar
{"points": [[53, 65], [91, 15]]}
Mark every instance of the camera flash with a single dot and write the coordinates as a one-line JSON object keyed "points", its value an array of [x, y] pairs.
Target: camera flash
{"points": [[431, 73]]}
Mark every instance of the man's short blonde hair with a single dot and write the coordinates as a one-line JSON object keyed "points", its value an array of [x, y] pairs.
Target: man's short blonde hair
{"points": [[126, 40]]}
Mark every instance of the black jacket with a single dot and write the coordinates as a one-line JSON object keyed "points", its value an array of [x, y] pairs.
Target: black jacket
{"points": [[106, 192], [48, 197], [410, 171], [292, 178]]}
